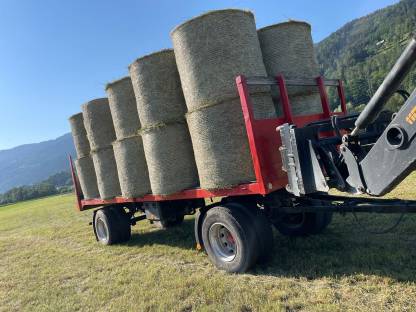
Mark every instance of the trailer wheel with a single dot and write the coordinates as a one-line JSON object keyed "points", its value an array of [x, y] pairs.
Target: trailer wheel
{"points": [[263, 227], [229, 240], [111, 226], [123, 223], [302, 224], [322, 220]]}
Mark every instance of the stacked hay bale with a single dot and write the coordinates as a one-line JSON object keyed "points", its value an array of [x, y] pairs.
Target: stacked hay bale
{"points": [[288, 49], [83, 164], [100, 130], [128, 148], [161, 107], [211, 50]]}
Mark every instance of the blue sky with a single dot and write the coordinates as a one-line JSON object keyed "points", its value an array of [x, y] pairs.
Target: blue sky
{"points": [[56, 55]]}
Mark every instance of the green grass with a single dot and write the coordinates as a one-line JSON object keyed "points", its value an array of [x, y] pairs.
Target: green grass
{"points": [[49, 261]]}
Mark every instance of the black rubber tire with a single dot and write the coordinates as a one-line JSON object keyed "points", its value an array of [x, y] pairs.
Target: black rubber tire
{"points": [[123, 223], [322, 220], [244, 235], [109, 220], [307, 223], [263, 227]]}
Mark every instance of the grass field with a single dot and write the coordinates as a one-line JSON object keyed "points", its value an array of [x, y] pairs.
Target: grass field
{"points": [[49, 261]]}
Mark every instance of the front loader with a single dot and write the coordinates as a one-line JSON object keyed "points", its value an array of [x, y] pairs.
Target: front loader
{"points": [[368, 153]]}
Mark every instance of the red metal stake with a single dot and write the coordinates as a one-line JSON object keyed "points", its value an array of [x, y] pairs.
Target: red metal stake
{"points": [[76, 184], [324, 97], [284, 97], [248, 118], [341, 96]]}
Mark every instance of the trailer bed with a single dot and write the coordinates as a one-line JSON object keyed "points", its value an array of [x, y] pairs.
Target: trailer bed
{"points": [[264, 142]]}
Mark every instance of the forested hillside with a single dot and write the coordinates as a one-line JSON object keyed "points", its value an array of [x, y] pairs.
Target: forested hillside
{"points": [[363, 51], [60, 182], [31, 163]]}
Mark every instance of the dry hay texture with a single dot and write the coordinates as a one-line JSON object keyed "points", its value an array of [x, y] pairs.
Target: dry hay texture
{"points": [[156, 83], [123, 108], [169, 158], [79, 135], [161, 107], [288, 49], [128, 149], [106, 171], [100, 130], [98, 123], [211, 50], [132, 168], [87, 178]]}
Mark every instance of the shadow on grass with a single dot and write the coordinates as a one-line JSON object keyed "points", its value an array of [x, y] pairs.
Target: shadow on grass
{"points": [[181, 236], [342, 250]]}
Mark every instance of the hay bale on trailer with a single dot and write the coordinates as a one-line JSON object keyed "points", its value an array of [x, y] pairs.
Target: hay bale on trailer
{"points": [[84, 164], [132, 167], [98, 123], [161, 106], [288, 49], [106, 171], [79, 135], [87, 177], [128, 149], [101, 134], [211, 50], [123, 107]]}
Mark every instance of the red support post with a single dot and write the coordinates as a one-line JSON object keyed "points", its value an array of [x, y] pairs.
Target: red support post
{"points": [[284, 97], [76, 184], [249, 119], [324, 97], [341, 96]]}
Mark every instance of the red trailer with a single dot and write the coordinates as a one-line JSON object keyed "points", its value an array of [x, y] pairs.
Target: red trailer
{"points": [[296, 160]]}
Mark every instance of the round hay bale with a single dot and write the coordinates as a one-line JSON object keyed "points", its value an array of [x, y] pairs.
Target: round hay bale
{"points": [[87, 178], [214, 48], [98, 123], [170, 158], [106, 171], [131, 166], [123, 107], [211, 50], [79, 135], [157, 87], [288, 49], [161, 106], [305, 104], [220, 145]]}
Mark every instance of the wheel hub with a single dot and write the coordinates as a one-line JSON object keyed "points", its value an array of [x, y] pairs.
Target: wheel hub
{"points": [[101, 230], [222, 242]]}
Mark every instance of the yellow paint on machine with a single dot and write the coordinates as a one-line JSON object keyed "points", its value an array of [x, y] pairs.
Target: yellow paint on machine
{"points": [[411, 118]]}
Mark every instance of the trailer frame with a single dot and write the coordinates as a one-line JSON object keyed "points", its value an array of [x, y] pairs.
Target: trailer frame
{"points": [[296, 160], [263, 141], [272, 199]]}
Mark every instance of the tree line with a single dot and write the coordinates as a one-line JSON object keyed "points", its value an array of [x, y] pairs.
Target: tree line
{"points": [[56, 184]]}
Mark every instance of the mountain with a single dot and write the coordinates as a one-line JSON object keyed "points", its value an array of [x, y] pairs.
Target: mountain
{"points": [[31, 163], [363, 51]]}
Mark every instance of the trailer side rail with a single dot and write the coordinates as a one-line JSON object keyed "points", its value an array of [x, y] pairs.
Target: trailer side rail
{"points": [[263, 139]]}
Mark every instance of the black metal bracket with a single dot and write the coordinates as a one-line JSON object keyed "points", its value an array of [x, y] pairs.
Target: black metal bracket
{"points": [[343, 204]]}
